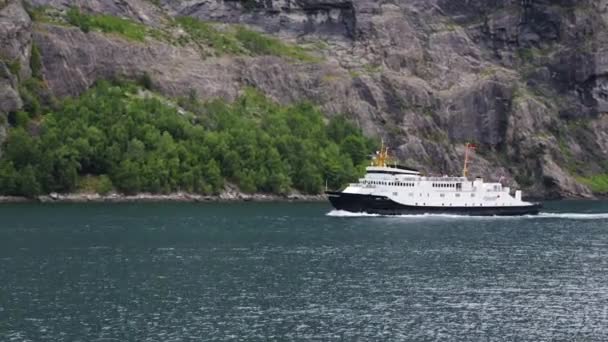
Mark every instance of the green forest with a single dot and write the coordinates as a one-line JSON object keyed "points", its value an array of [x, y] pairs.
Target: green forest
{"points": [[120, 137]]}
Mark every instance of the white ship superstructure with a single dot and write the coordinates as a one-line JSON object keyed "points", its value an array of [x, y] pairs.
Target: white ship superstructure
{"points": [[399, 190]]}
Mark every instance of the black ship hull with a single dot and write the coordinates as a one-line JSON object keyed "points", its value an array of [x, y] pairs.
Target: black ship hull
{"points": [[383, 205]]}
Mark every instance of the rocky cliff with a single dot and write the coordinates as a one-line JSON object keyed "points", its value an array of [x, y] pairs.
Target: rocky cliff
{"points": [[527, 80]]}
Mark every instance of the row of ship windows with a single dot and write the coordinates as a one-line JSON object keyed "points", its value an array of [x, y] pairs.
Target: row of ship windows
{"points": [[389, 183], [429, 195], [442, 185], [435, 185]]}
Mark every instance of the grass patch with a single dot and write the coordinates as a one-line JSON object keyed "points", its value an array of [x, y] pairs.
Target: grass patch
{"points": [[127, 28], [598, 183], [14, 67], [450, 27], [206, 33], [260, 44], [354, 73], [238, 40], [372, 68], [36, 62], [107, 24], [488, 72]]}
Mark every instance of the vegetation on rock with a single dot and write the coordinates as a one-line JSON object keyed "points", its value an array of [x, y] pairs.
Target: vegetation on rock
{"points": [[106, 23], [228, 39], [121, 136], [239, 40], [598, 183]]}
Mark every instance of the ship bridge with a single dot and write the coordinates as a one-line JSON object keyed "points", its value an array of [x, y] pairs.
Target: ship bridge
{"points": [[387, 170]]}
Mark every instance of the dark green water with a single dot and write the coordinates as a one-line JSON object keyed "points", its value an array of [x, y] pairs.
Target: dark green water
{"points": [[259, 272]]}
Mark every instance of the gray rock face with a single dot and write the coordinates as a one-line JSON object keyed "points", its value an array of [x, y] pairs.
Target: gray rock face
{"points": [[327, 17], [525, 80], [15, 48], [73, 61]]}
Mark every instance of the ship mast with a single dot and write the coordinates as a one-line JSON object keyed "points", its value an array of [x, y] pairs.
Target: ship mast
{"points": [[465, 169], [381, 157]]}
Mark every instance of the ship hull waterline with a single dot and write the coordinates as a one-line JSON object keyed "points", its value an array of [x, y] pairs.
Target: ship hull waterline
{"points": [[381, 205]]}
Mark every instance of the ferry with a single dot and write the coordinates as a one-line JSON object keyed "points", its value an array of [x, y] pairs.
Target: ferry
{"points": [[397, 190]]}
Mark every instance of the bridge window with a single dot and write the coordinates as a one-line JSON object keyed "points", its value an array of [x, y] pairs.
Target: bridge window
{"points": [[442, 195]]}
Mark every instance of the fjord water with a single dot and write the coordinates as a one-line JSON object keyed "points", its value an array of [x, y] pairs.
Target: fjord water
{"points": [[259, 272]]}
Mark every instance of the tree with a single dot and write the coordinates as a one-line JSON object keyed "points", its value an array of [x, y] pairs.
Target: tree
{"points": [[8, 178], [27, 183], [308, 179], [126, 177], [21, 148], [115, 138], [213, 176], [65, 169], [354, 146]]}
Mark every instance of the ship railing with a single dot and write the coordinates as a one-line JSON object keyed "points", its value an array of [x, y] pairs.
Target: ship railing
{"points": [[446, 179]]}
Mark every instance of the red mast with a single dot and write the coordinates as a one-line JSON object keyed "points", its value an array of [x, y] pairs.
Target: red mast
{"points": [[465, 170]]}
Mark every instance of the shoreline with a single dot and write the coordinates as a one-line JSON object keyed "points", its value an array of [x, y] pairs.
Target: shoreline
{"points": [[172, 197], [184, 197]]}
